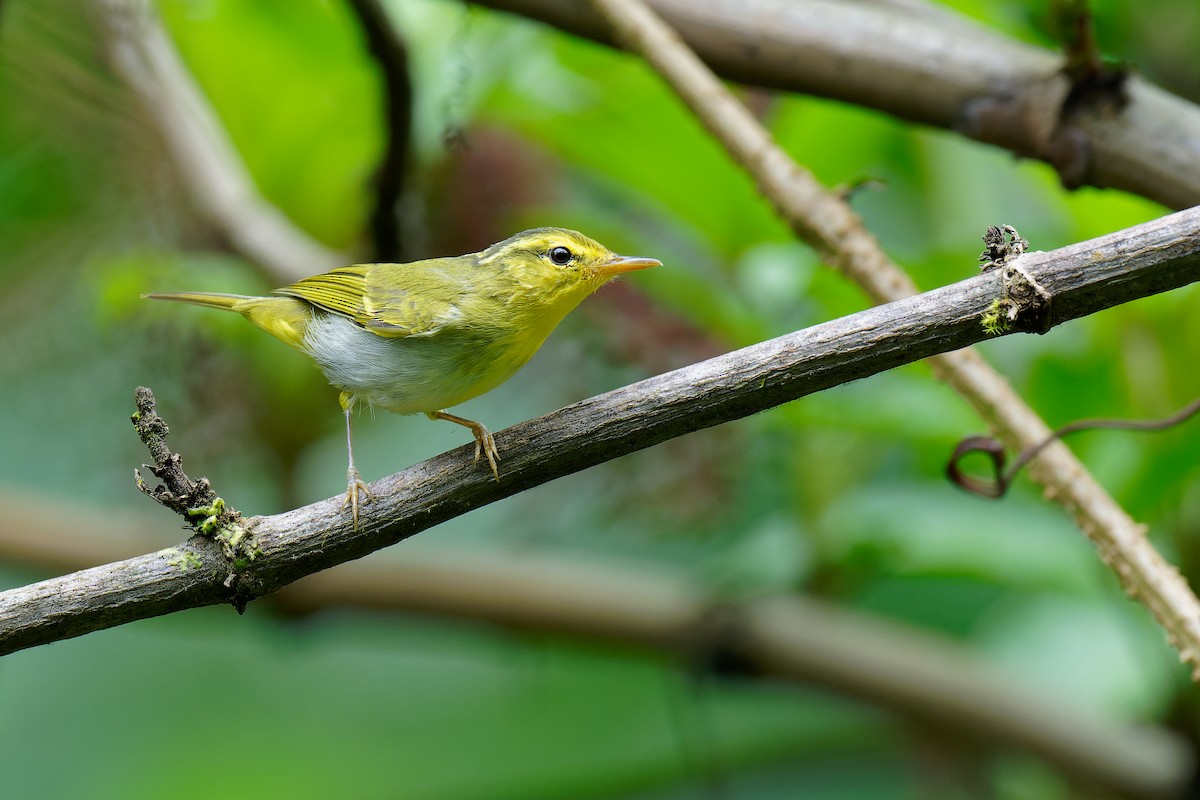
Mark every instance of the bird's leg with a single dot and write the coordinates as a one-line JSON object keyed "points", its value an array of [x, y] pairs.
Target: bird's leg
{"points": [[485, 443], [354, 483]]}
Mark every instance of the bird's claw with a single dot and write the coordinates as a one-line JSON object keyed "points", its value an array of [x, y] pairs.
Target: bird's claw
{"points": [[354, 485], [485, 444]]}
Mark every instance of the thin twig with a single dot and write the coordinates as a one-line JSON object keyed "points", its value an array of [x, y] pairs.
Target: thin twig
{"points": [[195, 501], [998, 486], [827, 222]]}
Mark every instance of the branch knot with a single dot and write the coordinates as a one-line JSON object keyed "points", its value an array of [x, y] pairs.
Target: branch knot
{"points": [[206, 513], [1023, 302]]}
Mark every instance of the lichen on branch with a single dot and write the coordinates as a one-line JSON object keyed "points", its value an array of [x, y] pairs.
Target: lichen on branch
{"points": [[195, 501]]}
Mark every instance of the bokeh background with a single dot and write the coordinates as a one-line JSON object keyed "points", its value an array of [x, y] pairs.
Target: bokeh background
{"points": [[840, 496]]}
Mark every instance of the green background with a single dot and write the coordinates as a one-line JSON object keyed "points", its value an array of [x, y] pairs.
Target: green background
{"points": [[839, 496]]}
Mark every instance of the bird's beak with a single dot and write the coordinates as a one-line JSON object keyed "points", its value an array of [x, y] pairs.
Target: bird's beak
{"points": [[618, 264]]}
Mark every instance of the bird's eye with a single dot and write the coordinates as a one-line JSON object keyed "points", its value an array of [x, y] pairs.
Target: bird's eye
{"points": [[560, 256]]}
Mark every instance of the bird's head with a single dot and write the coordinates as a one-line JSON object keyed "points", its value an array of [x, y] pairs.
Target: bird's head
{"points": [[556, 263]]}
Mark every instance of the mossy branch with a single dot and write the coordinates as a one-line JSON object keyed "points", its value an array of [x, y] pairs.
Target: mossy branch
{"points": [[206, 513]]}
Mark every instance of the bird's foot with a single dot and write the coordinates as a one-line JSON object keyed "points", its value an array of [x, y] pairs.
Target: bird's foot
{"points": [[355, 486], [485, 444]]}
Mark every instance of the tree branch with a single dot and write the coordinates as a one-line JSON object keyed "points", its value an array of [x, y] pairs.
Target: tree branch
{"points": [[933, 68], [1149, 258]]}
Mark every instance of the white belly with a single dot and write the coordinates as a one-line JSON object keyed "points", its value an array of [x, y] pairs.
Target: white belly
{"points": [[406, 375]]}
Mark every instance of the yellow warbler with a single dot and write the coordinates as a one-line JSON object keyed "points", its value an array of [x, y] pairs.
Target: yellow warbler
{"points": [[421, 337]]}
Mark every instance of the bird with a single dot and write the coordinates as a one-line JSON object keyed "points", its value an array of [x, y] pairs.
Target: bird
{"points": [[424, 336]]}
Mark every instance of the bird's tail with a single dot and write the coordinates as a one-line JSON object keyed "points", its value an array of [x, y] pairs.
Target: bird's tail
{"points": [[228, 302], [285, 318]]}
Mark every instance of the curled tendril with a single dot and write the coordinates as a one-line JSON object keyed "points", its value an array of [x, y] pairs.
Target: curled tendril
{"points": [[997, 486]]}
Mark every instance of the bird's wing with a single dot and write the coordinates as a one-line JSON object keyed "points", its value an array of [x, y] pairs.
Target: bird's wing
{"points": [[424, 304]]}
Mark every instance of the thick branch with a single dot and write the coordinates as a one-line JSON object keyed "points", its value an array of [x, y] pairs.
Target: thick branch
{"points": [[103, 597], [936, 69], [1153, 257]]}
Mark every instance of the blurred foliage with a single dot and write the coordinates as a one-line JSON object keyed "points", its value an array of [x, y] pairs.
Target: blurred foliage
{"points": [[840, 495]]}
